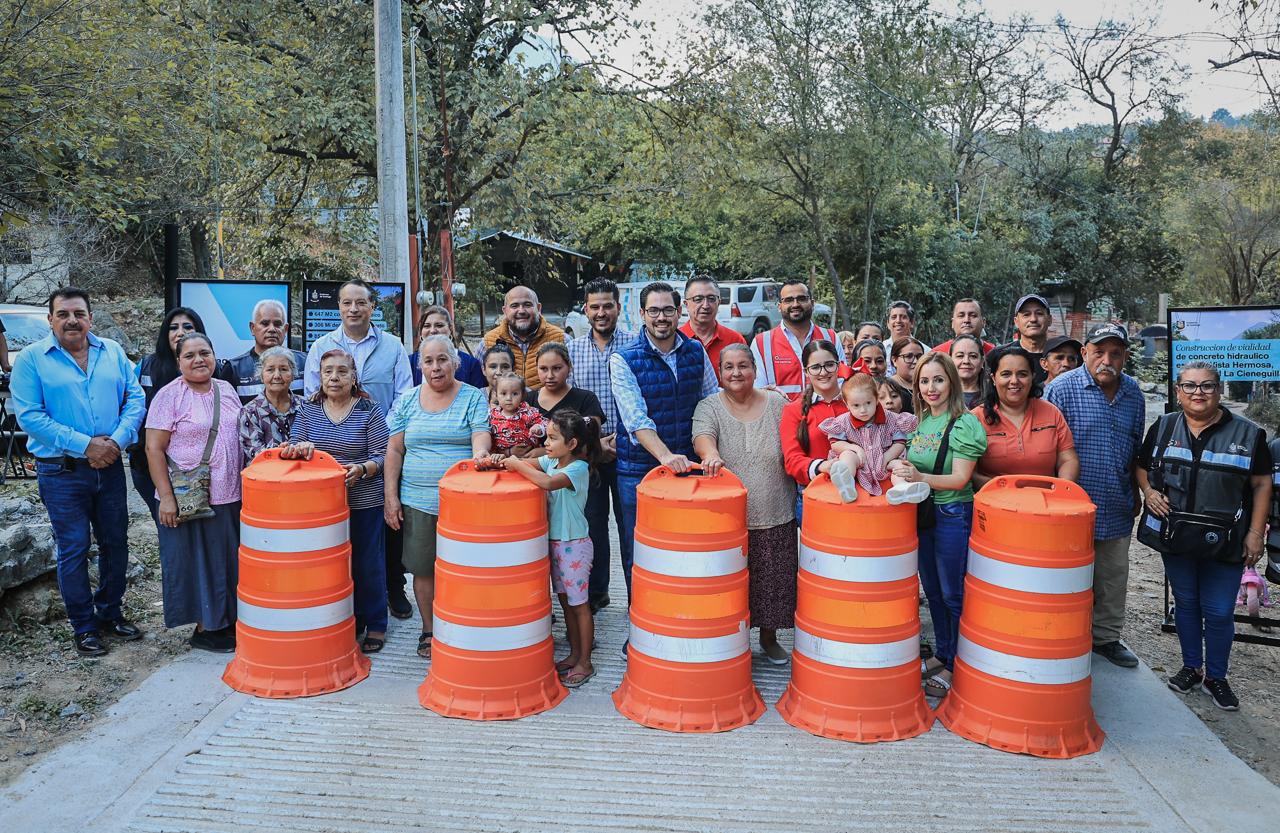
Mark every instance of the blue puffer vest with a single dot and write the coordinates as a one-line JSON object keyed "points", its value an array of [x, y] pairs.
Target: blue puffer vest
{"points": [[669, 401]]}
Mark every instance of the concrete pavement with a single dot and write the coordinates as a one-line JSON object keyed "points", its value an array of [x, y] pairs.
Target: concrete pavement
{"points": [[183, 753]]}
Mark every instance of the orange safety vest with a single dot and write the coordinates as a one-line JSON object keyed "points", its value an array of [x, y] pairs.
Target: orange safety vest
{"points": [[782, 367]]}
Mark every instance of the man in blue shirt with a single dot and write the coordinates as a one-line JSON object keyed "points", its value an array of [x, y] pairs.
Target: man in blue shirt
{"points": [[78, 400], [1106, 412], [590, 355], [382, 366], [657, 382]]}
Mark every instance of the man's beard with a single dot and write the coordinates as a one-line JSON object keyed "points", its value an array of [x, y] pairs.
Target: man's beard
{"points": [[526, 330]]}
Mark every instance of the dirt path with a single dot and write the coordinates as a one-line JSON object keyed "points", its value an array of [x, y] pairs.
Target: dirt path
{"points": [[48, 694]]}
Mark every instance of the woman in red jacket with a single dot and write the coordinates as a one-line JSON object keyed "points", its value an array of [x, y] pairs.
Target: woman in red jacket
{"points": [[804, 446]]}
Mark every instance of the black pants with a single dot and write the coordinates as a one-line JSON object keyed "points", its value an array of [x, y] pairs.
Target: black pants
{"points": [[603, 486], [143, 484]]}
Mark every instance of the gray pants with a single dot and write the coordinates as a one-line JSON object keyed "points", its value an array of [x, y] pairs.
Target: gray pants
{"points": [[1110, 584]]}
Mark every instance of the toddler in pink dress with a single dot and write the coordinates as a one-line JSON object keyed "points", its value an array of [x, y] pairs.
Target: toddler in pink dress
{"points": [[865, 441], [516, 425]]}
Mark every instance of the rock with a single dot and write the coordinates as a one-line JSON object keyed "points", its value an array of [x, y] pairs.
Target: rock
{"points": [[1148, 387], [26, 544], [135, 571], [72, 709], [105, 326]]}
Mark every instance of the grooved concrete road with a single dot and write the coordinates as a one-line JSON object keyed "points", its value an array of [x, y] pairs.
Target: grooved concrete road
{"points": [[182, 753]]}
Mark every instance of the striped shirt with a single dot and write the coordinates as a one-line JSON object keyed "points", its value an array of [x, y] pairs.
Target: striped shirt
{"points": [[359, 438], [591, 370], [1107, 435], [435, 441]]}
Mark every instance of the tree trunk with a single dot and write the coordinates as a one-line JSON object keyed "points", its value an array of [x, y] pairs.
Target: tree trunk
{"points": [[842, 311], [200, 250], [866, 270]]}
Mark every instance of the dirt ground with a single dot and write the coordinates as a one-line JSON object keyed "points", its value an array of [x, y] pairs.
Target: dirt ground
{"points": [[1253, 733], [48, 694]]}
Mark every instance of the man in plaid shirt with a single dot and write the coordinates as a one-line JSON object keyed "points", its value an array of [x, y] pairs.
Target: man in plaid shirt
{"points": [[1106, 412], [590, 356]]}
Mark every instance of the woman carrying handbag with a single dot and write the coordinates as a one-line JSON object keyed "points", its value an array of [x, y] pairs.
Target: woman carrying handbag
{"points": [[193, 452], [1205, 479]]}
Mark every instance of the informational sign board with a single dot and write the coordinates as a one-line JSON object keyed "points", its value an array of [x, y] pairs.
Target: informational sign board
{"points": [[1243, 342], [320, 313], [226, 307]]}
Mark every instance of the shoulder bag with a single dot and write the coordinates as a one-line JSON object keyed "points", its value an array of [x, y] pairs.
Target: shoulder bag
{"points": [[191, 486], [926, 518]]}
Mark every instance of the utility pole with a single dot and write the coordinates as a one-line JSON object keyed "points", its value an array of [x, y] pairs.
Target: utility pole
{"points": [[393, 189]]}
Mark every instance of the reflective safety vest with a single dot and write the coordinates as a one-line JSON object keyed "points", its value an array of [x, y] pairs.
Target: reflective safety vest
{"points": [[782, 367], [1215, 483]]}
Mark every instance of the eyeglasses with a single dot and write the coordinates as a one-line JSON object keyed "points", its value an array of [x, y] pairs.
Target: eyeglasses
{"points": [[796, 299], [699, 300], [661, 312], [910, 357], [825, 367], [1192, 387]]}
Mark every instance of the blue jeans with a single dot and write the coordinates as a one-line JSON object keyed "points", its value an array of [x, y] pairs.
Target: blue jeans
{"points": [[77, 500], [627, 524], [369, 569], [944, 560], [1204, 596], [604, 486]]}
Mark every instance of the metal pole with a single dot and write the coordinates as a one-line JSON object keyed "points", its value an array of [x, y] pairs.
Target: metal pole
{"points": [[393, 191]]}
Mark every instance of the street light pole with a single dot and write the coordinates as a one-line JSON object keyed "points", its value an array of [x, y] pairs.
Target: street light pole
{"points": [[393, 189]]}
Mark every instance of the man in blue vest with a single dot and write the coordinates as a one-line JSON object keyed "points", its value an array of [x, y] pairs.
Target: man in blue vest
{"points": [[382, 366], [657, 382]]}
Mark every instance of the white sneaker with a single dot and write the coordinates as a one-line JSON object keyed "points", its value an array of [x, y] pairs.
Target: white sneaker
{"points": [[845, 481], [915, 492]]}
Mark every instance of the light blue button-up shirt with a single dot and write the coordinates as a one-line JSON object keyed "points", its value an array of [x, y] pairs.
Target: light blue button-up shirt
{"points": [[626, 388], [382, 365], [62, 407]]}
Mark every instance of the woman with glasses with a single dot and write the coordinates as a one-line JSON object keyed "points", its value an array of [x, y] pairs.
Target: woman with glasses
{"points": [[1205, 478], [904, 355], [805, 446]]}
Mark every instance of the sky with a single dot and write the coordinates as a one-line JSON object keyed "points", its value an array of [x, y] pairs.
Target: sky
{"points": [[1196, 25]]}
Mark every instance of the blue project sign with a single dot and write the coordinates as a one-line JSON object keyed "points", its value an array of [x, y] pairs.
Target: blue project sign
{"points": [[226, 308], [1242, 342]]}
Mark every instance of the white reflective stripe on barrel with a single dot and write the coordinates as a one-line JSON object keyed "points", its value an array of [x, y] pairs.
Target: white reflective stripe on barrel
{"points": [[1055, 580], [294, 619], [505, 554], [691, 649], [309, 539], [501, 638], [689, 564], [1024, 669], [858, 654], [858, 568]]}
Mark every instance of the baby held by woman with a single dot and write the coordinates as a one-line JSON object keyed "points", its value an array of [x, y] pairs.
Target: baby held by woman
{"points": [[868, 443]]}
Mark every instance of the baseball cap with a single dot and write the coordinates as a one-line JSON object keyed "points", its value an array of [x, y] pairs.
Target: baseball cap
{"points": [[1057, 342], [1102, 332], [1040, 299]]}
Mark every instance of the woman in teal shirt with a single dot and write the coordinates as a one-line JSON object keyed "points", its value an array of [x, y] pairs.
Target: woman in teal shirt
{"points": [[944, 548]]}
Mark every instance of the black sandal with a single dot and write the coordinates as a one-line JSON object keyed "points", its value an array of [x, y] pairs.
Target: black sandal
{"points": [[424, 645], [372, 644]]}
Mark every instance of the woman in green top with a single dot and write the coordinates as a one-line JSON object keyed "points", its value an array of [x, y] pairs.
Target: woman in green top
{"points": [[944, 549]]}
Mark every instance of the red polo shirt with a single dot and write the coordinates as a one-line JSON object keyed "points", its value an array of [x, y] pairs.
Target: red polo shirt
{"points": [[722, 339], [945, 347]]}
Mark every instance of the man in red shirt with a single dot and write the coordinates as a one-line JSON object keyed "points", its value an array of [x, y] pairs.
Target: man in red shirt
{"points": [[702, 302], [966, 319]]}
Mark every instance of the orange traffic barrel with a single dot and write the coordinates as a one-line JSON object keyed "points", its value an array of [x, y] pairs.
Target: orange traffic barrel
{"points": [[855, 671], [295, 628], [689, 664], [492, 657], [1021, 679]]}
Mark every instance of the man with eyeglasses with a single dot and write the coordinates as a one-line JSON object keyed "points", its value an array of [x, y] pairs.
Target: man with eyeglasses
{"points": [[1105, 410], [777, 352], [702, 302], [657, 383], [900, 321], [269, 326], [524, 330], [382, 366]]}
